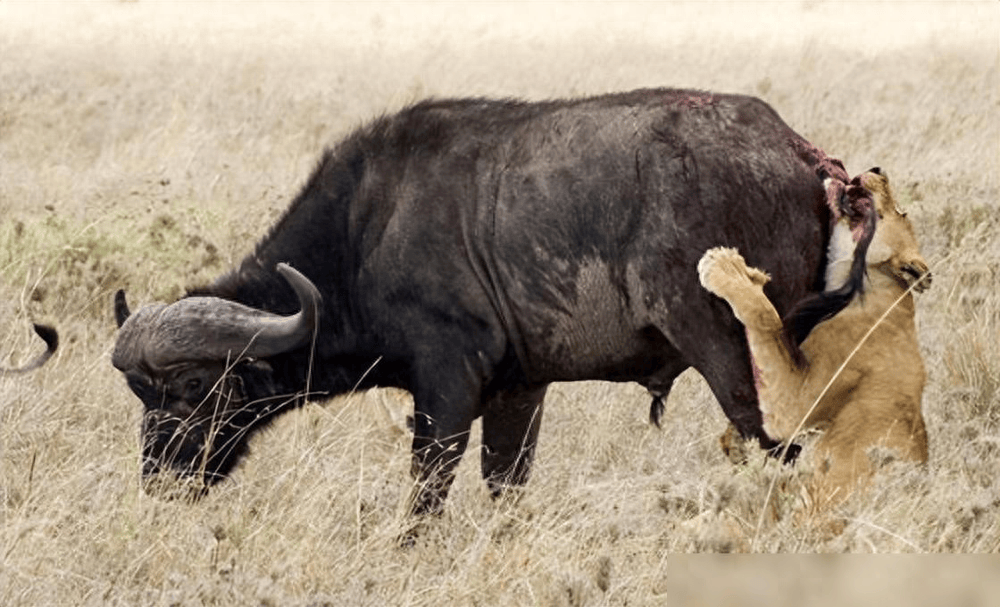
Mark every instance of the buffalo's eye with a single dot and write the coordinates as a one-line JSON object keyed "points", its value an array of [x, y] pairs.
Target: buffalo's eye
{"points": [[193, 386], [188, 382]]}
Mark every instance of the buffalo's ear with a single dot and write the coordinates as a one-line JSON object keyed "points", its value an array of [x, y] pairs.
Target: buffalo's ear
{"points": [[121, 308]]}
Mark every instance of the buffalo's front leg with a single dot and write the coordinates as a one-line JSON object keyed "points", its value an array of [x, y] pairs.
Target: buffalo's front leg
{"points": [[511, 422], [445, 403]]}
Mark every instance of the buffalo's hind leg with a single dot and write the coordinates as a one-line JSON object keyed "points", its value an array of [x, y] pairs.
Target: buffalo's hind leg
{"points": [[719, 353], [511, 421], [724, 272]]}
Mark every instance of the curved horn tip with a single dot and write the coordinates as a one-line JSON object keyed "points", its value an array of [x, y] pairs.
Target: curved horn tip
{"points": [[121, 308], [299, 281], [290, 332], [286, 270]]}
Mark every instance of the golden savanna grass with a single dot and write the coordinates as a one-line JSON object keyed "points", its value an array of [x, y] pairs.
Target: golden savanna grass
{"points": [[149, 145]]}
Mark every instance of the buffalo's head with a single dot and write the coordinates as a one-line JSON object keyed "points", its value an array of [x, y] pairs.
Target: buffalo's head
{"points": [[200, 368]]}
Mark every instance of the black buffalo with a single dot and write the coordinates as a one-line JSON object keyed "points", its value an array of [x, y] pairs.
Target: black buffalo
{"points": [[472, 252], [51, 339]]}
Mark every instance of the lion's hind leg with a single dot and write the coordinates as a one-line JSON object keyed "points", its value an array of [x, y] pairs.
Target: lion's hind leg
{"points": [[868, 420]]}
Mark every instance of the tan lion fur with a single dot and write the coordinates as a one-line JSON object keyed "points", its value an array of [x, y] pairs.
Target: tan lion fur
{"points": [[875, 399]]}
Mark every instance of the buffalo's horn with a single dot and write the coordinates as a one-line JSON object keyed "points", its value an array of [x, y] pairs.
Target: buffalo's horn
{"points": [[210, 328], [276, 334]]}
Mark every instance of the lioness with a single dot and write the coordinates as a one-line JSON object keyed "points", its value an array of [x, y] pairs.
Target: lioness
{"points": [[875, 398]]}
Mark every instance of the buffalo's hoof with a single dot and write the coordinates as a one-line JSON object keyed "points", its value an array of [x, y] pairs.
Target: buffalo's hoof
{"points": [[787, 456]]}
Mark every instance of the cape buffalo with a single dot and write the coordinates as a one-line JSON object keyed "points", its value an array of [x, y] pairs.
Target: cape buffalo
{"points": [[473, 251], [51, 339]]}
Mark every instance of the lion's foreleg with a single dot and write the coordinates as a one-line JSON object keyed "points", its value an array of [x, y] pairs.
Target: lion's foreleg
{"points": [[778, 379]]}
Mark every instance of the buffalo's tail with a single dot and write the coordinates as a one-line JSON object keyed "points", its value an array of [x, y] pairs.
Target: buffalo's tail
{"points": [[51, 339]]}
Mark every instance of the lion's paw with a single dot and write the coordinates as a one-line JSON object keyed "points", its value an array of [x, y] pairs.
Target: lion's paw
{"points": [[724, 272]]}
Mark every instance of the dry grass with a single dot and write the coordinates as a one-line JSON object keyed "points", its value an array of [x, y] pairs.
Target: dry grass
{"points": [[147, 146]]}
